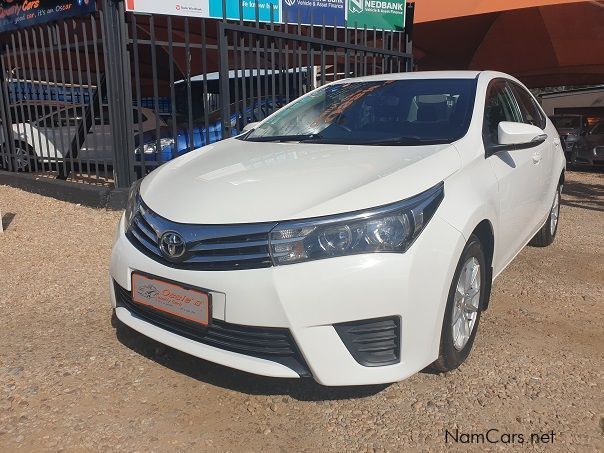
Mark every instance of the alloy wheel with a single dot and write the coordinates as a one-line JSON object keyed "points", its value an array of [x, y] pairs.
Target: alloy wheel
{"points": [[554, 214], [21, 159], [467, 300]]}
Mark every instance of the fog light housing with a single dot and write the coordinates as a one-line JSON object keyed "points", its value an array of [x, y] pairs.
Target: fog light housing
{"points": [[372, 342]]}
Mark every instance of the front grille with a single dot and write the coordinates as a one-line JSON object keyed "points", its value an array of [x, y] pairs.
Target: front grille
{"points": [[270, 343], [372, 342], [208, 247]]}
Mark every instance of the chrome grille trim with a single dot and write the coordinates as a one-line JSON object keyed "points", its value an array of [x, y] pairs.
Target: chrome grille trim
{"points": [[209, 247]]}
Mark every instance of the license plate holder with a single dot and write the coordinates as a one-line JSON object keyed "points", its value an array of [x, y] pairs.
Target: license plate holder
{"points": [[177, 299]]}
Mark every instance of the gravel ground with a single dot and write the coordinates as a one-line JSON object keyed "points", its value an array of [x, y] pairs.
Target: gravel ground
{"points": [[70, 381]]}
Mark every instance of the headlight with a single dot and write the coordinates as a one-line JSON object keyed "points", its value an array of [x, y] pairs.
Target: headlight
{"points": [[390, 228], [133, 203], [151, 147]]}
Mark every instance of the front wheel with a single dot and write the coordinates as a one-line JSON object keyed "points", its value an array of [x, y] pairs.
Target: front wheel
{"points": [[467, 295], [572, 155], [546, 235]]}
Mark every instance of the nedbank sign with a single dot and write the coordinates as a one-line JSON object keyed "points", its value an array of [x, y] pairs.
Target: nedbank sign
{"points": [[379, 14]]}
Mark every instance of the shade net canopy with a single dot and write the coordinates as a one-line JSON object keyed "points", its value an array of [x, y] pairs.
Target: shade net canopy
{"points": [[543, 43]]}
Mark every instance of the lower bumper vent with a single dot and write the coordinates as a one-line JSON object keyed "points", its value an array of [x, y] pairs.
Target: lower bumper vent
{"points": [[372, 342]]}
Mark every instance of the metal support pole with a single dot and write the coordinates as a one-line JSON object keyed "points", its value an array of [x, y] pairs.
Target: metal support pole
{"points": [[119, 91], [5, 116], [225, 96], [409, 36]]}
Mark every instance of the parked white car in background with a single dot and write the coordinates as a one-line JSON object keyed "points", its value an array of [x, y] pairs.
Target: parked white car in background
{"points": [[352, 236], [47, 136]]}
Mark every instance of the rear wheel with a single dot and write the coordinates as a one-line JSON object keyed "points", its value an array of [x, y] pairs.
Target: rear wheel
{"points": [[465, 302], [23, 159], [546, 235]]}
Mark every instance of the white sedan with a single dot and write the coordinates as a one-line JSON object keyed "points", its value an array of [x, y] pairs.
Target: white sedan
{"points": [[47, 137], [352, 236]]}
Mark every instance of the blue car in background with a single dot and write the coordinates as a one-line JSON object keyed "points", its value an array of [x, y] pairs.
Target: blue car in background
{"points": [[166, 147]]}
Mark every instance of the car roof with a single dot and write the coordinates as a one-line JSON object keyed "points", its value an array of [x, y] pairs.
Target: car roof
{"points": [[430, 75]]}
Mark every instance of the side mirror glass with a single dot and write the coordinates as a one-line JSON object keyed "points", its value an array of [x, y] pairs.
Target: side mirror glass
{"points": [[249, 126], [511, 133]]}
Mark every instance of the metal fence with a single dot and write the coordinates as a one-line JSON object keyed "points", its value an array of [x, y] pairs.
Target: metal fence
{"points": [[110, 97], [52, 86]]}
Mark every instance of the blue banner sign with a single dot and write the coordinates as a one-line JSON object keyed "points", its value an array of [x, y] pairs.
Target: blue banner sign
{"points": [[26, 13], [316, 12], [248, 7]]}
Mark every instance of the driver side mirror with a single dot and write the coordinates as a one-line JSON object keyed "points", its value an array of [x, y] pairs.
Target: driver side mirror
{"points": [[249, 126], [512, 135]]}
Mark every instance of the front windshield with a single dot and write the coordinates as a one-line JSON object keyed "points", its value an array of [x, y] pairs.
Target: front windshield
{"points": [[375, 112], [566, 122]]}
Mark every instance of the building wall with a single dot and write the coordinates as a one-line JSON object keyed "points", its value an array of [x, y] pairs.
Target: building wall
{"points": [[590, 103]]}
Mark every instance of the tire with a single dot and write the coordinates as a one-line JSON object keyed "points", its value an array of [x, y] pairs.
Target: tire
{"points": [[23, 160], [546, 235], [454, 347], [573, 155]]}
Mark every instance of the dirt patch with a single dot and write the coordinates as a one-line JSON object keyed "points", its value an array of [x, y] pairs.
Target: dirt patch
{"points": [[70, 381]]}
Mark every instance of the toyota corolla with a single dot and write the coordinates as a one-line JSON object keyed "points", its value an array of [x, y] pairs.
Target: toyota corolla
{"points": [[351, 236]]}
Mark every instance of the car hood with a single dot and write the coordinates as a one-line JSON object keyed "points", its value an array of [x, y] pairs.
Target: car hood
{"points": [[236, 181]]}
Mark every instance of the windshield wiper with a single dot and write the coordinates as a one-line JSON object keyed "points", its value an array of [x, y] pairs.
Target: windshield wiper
{"points": [[394, 141], [318, 138], [284, 138], [407, 140]]}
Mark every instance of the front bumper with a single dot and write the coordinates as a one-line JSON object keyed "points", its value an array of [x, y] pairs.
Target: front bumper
{"points": [[308, 298], [593, 156]]}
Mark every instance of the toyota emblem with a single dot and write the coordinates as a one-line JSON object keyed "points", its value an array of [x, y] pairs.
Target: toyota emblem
{"points": [[172, 245]]}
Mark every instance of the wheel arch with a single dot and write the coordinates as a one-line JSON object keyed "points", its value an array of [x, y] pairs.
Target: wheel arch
{"points": [[484, 232]]}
